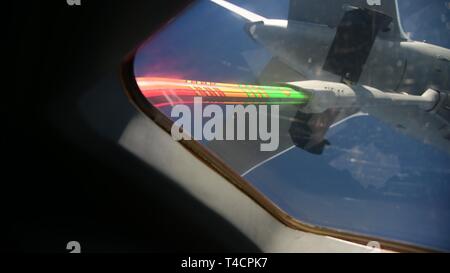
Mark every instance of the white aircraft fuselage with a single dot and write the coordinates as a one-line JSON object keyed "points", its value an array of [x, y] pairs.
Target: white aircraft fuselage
{"points": [[362, 44], [393, 66]]}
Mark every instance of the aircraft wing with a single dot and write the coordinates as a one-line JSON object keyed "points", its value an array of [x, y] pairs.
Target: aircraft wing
{"points": [[305, 131], [313, 11], [250, 16]]}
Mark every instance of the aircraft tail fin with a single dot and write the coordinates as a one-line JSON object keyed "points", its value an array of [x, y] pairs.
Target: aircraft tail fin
{"points": [[331, 12], [355, 36]]}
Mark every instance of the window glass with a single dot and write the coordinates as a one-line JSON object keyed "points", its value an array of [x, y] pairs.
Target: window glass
{"points": [[363, 149]]}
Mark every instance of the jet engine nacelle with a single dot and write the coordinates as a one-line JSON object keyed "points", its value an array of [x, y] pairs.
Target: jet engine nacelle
{"points": [[328, 95]]}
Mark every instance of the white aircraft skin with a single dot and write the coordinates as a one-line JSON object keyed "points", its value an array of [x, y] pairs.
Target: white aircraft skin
{"points": [[394, 66], [325, 95], [410, 73], [412, 115], [413, 76]]}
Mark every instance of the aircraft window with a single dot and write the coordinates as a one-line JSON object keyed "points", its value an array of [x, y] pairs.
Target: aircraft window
{"points": [[343, 128]]}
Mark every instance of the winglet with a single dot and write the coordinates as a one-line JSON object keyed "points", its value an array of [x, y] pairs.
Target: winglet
{"points": [[250, 16]]}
